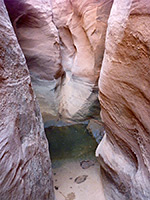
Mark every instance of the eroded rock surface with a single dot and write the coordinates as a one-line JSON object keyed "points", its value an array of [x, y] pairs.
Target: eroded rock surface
{"points": [[63, 42], [82, 26], [39, 40], [125, 101], [25, 168]]}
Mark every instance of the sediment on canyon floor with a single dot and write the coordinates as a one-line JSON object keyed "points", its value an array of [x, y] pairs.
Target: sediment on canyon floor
{"points": [[76, 172]]}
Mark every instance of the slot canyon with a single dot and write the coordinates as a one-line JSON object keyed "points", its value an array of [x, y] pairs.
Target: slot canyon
{"points": [[75, 99]]}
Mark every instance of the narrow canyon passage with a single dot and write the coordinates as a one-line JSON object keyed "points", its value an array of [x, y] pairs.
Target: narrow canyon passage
{"points": [[76, 172], [59, 61]]}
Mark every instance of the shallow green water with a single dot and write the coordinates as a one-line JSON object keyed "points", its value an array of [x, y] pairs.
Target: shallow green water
{"points": [[70, 142]]}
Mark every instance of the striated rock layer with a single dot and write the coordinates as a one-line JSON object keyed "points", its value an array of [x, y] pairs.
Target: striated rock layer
{"points": [[39, 40], [124, 86], [63, 42], [25, 168]]}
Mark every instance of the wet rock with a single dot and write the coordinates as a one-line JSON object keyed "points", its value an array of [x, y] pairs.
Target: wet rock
{"points": [[81, 179], [25, 167], [85, 164], [96, 128]]}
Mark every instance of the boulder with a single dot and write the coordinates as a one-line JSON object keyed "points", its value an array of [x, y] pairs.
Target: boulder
{"points": [[96, 129], [25, 167]]}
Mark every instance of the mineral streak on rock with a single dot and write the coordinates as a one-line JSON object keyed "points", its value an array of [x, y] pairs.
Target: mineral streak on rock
{"points": [[124, 152], [25, 168], [63, 42]]}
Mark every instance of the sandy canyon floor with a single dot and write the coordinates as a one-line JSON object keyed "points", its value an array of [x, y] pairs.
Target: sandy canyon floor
{"points": [[76, 172]]}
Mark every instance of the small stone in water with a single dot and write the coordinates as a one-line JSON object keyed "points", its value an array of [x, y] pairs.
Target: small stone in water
{"points": [[81, 179], [85, 164]]}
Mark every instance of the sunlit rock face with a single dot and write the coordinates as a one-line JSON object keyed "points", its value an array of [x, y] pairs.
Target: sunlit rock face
{"points": [[82, 26], [25, 168], [124, 86], [63, 42]]}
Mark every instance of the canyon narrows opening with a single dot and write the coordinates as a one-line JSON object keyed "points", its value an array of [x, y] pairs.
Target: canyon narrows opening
{"points": [[63, 43], [76, 172], [67, 56]]}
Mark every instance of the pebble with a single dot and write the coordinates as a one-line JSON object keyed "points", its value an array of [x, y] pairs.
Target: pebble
{"points": [[81, 179], [56, 188], [85, 164]]}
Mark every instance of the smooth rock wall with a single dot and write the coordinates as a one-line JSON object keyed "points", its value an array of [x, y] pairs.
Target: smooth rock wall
{"points": [[39, 40], [82, 27], [124, 84], [25, 167], [63, 42]]}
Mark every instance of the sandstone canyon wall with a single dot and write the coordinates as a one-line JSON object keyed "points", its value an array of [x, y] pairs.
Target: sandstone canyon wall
{"points": [[25, 168], [124, 86], [63, 42]]}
